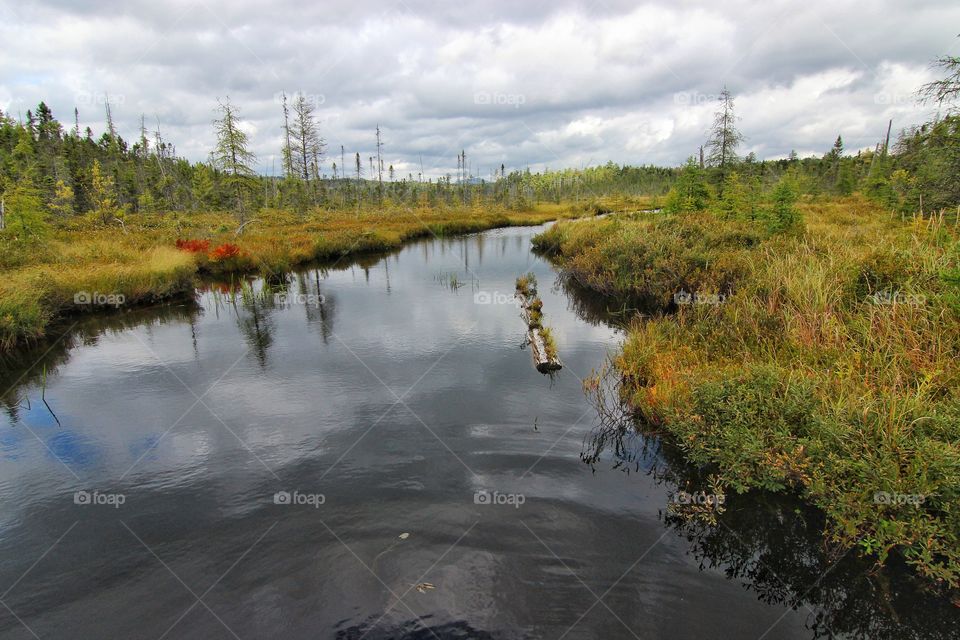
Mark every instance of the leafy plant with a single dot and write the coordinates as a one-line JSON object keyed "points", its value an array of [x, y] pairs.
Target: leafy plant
{"points": [[193, 246]]}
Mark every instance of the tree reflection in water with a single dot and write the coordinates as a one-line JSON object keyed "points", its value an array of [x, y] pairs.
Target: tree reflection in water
{"points": [[25, 368]]}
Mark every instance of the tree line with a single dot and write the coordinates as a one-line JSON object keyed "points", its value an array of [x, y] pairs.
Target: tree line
{"points": [[918, 173], [52, 171]]}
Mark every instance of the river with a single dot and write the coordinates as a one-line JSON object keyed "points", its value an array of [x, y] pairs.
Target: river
{"points": [[374, 455]]}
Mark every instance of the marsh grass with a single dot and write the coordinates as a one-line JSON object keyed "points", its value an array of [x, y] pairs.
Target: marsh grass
{"points": [[41, 277], [831, 370], [527, 285], [31, 297], [450, 280]]}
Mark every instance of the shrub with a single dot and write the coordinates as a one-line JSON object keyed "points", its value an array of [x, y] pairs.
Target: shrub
{"points": [[193, 246], [224, 252], [761, 417], [229, 257]]}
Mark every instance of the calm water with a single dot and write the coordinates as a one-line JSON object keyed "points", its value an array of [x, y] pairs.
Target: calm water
{"points": [[381, 410]]}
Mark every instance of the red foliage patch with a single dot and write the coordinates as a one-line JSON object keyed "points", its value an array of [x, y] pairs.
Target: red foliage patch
{"points": [[225, 252], [193, 246]]}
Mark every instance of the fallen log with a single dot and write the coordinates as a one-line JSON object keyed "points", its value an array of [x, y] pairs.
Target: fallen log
{"points": [[544, 354], [542, 359]]}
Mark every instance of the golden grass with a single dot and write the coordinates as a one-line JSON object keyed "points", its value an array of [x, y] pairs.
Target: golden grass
{"points": [[41, 277], [802, 379]]}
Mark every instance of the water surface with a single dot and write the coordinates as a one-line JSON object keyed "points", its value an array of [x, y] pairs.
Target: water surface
{"points": [[390, 398]]}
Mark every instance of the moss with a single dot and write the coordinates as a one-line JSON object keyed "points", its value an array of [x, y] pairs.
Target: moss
{"points": [[549, 345]]}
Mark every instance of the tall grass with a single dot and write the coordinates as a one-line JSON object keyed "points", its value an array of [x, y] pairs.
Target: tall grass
{"points": [[31, 297], [831, 369], [653, 256], [40, 277]]}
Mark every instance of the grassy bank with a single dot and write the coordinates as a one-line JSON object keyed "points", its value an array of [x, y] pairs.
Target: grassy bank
{"points": [[52, 275], [822, 361]]}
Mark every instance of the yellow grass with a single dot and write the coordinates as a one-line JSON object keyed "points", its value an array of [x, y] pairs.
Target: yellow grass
{"points": [[41, 277]]}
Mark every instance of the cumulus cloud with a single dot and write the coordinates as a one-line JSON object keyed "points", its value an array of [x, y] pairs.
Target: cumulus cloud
{"points": [[524, 84]]}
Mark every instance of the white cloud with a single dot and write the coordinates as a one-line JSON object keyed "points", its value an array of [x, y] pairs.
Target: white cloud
{"points": [[556, 84]]}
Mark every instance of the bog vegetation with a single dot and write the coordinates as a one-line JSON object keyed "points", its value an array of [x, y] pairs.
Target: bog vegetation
{"points": [[805, 311], [803, 329]]}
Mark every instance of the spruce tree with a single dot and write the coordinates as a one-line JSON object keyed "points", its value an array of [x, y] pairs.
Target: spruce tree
{"points": [[306, 143], [725, 138], [232, 154]]}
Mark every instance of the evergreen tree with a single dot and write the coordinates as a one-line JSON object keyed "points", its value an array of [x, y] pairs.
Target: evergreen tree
{"points": [[287, 153], [106, 210], [784, 215], [837, 151], [232, 154], [947, 89], [204, 187], [306, 143], [725, 138], [846, 179], [691, 192], [734, 199]]}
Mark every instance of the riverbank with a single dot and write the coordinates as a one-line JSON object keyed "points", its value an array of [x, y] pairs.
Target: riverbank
{"points": [[78, 266], [820, 360], [288, 381]]}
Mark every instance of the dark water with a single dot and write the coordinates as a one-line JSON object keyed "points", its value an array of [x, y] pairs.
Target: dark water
{"points": [[397, 398]]}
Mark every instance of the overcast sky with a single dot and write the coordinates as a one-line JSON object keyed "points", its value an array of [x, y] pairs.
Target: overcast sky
{"points": [[538, 83]]}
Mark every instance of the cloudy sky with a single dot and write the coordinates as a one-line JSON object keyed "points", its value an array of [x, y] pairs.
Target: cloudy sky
{"points": [[538, 83]]}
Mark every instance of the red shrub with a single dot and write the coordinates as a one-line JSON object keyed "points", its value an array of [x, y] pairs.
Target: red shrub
{"points": [[225, 252], [193, 246]]}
